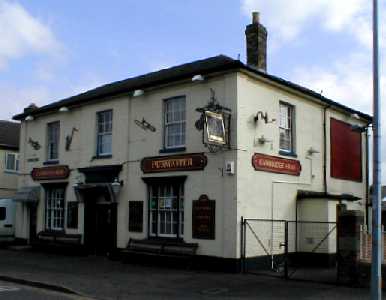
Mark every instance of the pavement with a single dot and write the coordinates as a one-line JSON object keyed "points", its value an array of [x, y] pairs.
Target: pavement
{"points": [[101, 278]]}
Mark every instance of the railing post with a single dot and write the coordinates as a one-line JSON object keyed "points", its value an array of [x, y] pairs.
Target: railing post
{"points": [[286, 250], [242, 250]]}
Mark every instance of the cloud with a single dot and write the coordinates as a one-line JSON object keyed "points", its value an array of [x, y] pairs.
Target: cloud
{"points": [[287, 18], [15, 98], [22, 34]]}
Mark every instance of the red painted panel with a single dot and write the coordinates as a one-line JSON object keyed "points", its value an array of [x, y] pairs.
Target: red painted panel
{"points": [[346, 151]]}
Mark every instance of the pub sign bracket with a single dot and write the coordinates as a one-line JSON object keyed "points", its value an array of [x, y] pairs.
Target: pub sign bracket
{"points": [[214, 122]]}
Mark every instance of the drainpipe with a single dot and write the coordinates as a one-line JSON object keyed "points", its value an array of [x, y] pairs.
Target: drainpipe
{"points": [[325, 148], [367, 176]]}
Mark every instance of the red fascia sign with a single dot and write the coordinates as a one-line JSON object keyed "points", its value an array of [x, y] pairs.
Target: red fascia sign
{"points": [[274, 164], [50, 173]]}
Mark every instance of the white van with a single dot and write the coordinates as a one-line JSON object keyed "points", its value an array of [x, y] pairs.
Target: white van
{"points": [[7, 220]]}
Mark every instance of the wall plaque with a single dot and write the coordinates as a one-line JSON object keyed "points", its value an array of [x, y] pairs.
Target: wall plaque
{"points": [[263, 162], [204, 218], [50, 173], [183, 162]]}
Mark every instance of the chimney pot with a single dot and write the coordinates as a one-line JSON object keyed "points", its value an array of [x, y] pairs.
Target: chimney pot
{"points": [[255, 17]]}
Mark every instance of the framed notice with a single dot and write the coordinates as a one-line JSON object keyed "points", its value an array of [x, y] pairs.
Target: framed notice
{"points": [[204, 218]]}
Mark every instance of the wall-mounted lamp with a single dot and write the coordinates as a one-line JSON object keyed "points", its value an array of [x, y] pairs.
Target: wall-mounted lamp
{"points": [[138, 93], [64, 109], [116, 186], [198, 77], [263, 116], [29, 118], [312, 151]]}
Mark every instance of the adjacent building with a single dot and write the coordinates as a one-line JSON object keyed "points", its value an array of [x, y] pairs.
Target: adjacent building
{"points": [[9, 158], [184, 153]]}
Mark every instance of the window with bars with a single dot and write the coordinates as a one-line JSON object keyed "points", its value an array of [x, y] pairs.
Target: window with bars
{"points": [[54, 211], [286, 128], [11, 162], [53, 135], [167, 210], [104, 132], [175, 122]]}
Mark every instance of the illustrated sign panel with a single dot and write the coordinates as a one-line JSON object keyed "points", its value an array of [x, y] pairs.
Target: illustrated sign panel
{"points": [[204, 218], [50, 173], [185, 162], [263, 162]]}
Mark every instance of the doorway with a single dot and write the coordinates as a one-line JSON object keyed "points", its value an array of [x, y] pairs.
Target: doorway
{"points": [[100, 223], [32, 222]]}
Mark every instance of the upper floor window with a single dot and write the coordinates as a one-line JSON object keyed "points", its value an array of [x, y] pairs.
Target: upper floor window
{"points": [[11, 162], [53, 134], [175, 122], [104, 132], [286, 128]]}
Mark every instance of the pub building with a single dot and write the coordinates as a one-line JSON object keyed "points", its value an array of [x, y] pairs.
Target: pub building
{"points": [[178, 156]]}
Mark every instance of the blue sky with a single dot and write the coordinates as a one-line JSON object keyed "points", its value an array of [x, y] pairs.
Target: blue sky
{"points": [[53, 49]]}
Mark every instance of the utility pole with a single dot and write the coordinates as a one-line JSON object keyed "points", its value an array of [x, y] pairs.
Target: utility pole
{"points": [[377, 251]]}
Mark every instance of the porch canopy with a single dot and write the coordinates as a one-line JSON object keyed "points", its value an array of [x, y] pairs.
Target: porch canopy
{"points": [[27, 194], [303, 194]]}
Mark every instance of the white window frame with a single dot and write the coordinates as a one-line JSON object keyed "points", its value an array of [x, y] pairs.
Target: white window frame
{"points": [[163, 212], [55, 208], [287, 124], [16, 162], [107, 131], [53, 141], [170, 120]]}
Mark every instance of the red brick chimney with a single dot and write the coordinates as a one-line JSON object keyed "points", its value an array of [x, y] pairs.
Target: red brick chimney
{"points": [[256, 38]]}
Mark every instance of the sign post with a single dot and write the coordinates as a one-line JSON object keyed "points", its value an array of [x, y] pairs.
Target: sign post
{"points": [[377, 251]]}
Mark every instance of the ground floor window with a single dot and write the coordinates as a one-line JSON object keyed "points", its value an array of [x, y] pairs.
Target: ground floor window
{"points": [[54, 210], [167, 210]]}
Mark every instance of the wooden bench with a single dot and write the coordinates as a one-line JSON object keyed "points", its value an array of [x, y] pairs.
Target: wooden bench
{"points": [[162, 248], [57, 240]]}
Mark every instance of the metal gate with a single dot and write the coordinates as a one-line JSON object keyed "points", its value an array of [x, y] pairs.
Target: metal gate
{"points": [[301, 250], [264, 246]]}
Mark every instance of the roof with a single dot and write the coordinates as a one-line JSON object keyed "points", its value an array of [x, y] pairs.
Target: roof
{"points": [[9, 135], [181, 72]]}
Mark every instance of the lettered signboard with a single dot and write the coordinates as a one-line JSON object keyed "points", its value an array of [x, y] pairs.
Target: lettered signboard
{"points": [[274, 164], [204, 218]]}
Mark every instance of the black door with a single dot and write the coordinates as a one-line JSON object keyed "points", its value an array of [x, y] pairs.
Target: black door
{"points": [[32, 223], [100, 228]]}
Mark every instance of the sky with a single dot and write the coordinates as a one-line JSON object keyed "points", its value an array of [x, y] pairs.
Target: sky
{"points": [[50, 50]]}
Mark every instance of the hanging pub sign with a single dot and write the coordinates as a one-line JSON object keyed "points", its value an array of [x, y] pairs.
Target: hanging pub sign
{"points": [[183, 162], [204, 218], [50, 173], [274, 164]]}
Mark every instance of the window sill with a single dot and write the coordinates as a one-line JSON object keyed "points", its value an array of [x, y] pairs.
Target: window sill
{"points": [[171, 150], [102, 156], [51, 162], [12, 172], [285, 153]]}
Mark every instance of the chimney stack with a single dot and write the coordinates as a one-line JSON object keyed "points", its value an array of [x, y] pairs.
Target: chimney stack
{"points": [[256, 38]]}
